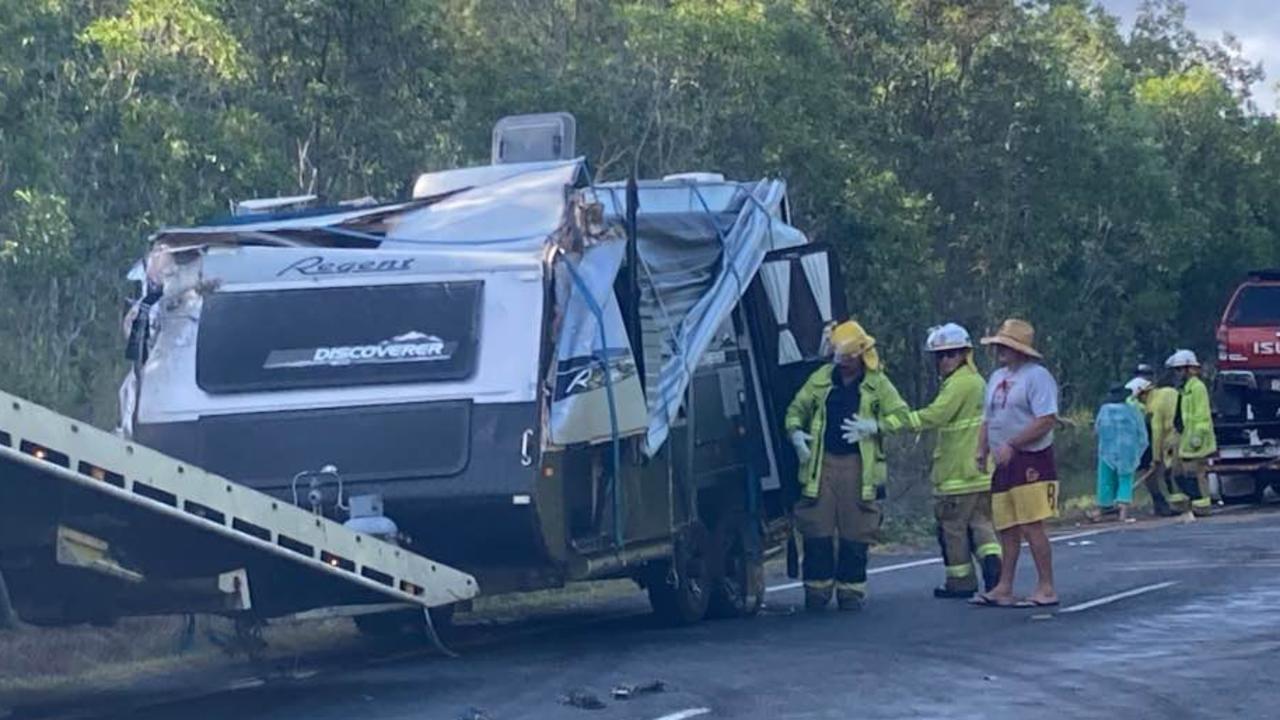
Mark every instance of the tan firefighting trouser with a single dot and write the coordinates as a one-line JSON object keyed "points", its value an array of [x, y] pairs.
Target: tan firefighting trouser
{"points": [[965, 530], [1193, 481], [838, 512]]}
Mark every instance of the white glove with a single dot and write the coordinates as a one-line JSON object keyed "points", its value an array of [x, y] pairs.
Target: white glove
{"points": [[801, 440], [856, 429]]}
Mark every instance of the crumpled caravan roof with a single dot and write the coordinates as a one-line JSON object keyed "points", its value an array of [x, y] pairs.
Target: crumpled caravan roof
{"points": [[701, 240]]}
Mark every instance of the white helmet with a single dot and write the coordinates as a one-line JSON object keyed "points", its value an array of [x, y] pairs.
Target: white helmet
{"points": [[1138, 385], [1182, 359], [947, 337]]}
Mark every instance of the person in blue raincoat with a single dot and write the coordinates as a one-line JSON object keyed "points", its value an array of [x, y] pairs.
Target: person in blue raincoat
{"points": [[1122, 440]]}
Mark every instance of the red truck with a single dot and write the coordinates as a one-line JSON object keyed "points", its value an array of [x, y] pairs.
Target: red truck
{"points": [[1247, 389]]}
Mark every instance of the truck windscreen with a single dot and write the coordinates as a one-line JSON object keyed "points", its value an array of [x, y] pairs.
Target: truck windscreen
{"points": [[1256, 306], [338, 336]]}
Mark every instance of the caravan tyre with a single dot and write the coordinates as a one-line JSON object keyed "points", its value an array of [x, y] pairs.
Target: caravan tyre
{"points": [[680, 588], [737, 589]]}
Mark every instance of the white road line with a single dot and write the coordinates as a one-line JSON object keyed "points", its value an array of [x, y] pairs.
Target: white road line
{"points": [[785, 586], [932, 561], [1076, 536], [1118, 596], [686, 714], [246, 684]]}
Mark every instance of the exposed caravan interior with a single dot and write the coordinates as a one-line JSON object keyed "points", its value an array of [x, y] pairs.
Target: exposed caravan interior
{"points": [[536, 378]]}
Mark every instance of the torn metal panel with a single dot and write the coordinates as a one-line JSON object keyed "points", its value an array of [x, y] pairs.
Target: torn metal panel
{"points": [[522, 210], [700, 250], [596, 390]]}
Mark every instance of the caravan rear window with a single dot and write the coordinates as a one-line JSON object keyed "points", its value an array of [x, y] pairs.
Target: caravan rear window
{"points": [[338, 336]]}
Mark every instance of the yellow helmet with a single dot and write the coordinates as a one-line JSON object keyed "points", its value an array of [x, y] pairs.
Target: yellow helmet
{"points": [[850, 339]]}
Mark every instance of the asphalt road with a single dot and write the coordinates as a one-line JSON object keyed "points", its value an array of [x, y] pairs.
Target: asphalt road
{"points": [[1157, 620]]}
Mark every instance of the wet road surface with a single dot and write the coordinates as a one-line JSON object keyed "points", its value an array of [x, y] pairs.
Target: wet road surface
{"points": [[1161, 621]]}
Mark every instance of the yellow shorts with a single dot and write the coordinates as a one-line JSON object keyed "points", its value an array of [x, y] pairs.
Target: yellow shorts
{"points": [[1025, 504]]}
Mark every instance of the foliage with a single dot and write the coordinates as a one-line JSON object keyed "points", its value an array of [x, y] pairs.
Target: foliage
{"points": [[967, 160]]}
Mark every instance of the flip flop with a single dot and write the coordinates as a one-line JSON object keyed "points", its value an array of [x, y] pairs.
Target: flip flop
{"points": [[1029, 603], [984, 600]]}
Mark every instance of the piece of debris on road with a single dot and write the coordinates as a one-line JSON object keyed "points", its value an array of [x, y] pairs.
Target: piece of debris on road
{"points": [[626, 692], [582, 700]]}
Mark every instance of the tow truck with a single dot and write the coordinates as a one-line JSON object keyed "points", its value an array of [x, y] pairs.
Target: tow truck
{"points": [[95, 527], [1247, 390]]}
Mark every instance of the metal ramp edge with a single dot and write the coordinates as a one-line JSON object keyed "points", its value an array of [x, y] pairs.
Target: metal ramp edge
{"points": [[64, 450]]}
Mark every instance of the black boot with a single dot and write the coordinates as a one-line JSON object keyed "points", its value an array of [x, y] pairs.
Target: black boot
{"points": [[990, 571], [851, 575], [818, 569]]}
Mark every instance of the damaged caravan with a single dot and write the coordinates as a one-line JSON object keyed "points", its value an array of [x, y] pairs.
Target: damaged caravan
{"points": [[525, 374]]}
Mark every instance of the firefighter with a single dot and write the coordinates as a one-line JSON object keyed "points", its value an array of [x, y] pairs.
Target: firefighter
{"points": [[961, 489], [1194, 421], [1159, 404], [842, 478]]}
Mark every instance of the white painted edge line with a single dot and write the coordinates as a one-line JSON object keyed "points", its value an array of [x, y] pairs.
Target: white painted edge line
{"points": [[931, 561], [686, 714], [1118, 596]]}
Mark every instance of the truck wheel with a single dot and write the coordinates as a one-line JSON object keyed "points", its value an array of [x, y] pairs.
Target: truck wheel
{"points": [[680, 589], [404, 622], [737, 590]]}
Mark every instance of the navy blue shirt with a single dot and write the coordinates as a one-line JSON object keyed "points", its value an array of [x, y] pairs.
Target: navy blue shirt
{"points": [[842, 404]]}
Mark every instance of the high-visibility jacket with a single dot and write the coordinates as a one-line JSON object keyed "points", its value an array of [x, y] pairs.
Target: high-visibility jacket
{"points": [[956, 413], [1161, 406], [808, 412], [1198, 440]]}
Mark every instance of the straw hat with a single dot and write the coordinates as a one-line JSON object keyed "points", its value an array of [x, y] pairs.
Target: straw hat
{"points": [[1016, 335]]}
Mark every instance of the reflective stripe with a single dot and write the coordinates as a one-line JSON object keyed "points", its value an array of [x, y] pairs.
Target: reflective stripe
{"points": [[819, 584], [1201, 502], [868, 490], [1176, 497], [988, 549], [859, 587], [960, 571], [964, 486], [965, 424]]}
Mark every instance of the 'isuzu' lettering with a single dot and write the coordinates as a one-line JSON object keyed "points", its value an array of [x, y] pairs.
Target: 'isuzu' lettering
{"points": [[317, 265], [1266, 347]]}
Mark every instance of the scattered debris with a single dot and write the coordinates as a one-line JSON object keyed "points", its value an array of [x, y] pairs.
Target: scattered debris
{"points": [[474, 714], [990, 678], [582, 700], [626, 692]]}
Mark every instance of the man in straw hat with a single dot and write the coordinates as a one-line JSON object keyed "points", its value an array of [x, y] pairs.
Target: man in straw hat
{"points": [[842, 475], [1019, 414]]}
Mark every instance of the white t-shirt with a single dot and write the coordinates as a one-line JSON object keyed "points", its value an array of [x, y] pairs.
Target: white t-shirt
{"points": [[1015, 399]]}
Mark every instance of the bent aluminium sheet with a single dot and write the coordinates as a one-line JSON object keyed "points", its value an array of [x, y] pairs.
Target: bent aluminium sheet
{"points": [[696, 266], [597, 391]]}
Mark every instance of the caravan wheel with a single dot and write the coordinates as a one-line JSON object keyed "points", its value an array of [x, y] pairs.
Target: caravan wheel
{"points": [[738, 588], [680, 589]]}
